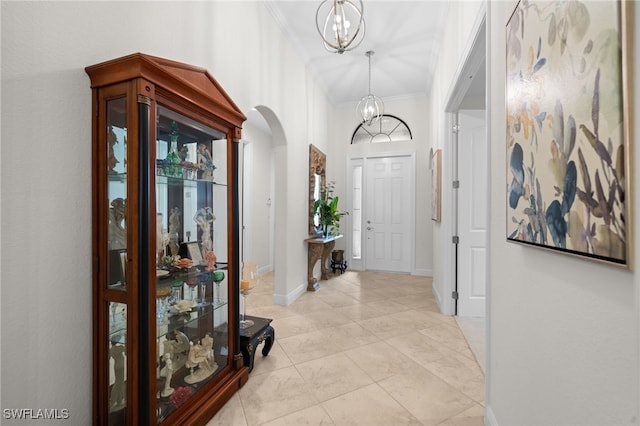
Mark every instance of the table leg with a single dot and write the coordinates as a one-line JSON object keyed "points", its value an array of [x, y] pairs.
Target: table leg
{"points": [[248, 354], [269, 338], [326, 252], [315, 252]]}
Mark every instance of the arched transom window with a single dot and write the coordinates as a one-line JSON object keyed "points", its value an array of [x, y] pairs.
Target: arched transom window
{"points": [[388, 128]]}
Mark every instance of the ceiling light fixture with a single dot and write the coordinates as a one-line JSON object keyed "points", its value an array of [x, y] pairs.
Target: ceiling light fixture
{"points": [[370, 108], [342, 28]]}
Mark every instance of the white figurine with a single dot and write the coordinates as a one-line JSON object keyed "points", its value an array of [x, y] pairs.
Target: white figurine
{"points": [[167, 372], [118, 396], [178, 348], [205, 162], [207, 344], [118, 224], [204, 217], [199, 357], [174, 230]]}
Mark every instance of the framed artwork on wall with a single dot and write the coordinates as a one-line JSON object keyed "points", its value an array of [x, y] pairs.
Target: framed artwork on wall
{"points": [[436, 185], [568, 80]]}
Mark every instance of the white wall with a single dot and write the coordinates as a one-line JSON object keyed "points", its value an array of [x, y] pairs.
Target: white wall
{"points": [[260, 194], [564, 338], [46, 165], [461, 21], [563, 331], [415, 113]]}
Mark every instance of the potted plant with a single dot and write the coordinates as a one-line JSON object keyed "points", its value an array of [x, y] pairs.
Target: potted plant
{"points": [[326, 207]]}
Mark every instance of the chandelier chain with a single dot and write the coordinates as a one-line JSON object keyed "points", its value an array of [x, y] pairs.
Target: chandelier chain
{"points": [[369, 53]]}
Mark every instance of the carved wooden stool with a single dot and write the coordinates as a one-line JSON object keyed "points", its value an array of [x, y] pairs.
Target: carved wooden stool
{"points": [[251, 337]]}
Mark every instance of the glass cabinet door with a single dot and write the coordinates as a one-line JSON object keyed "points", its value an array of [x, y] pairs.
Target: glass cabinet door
{"points": [[192, 314], [117, 192], [116, 162]]}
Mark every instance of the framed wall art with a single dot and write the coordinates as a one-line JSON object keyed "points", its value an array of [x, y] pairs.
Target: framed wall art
{"points": [[568, 79], [436, 185]]}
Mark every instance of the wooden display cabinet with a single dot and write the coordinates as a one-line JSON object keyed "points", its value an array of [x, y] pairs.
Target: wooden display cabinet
{"points": [[165, 243]]}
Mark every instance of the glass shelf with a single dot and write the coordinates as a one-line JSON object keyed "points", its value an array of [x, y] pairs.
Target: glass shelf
{"points": [[191, 318], [188, 174], [182, 181], [118, 177]]}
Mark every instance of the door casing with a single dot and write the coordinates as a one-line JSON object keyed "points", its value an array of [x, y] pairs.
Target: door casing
{"points": [[363, 263]]}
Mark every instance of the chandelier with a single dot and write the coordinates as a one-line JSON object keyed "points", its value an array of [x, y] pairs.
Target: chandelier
{"points": [[342, 27], [370, 108]]}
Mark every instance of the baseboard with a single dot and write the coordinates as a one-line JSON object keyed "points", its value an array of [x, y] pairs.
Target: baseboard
{"points": [[489, 417], [264, 269], [287, 299], [423, 272]]}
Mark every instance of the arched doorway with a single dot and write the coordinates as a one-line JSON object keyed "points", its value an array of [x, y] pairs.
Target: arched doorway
{"points": [[263, 172]]}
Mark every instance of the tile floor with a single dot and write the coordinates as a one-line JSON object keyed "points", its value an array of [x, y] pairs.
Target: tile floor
{"points": [[365, 349]]}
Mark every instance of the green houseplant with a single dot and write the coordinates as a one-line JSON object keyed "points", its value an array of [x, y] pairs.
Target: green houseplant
{"points": [[326, 208]]}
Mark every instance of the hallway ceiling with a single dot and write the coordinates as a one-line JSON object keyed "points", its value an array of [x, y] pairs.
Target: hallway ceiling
{"points": [[405, 35]]}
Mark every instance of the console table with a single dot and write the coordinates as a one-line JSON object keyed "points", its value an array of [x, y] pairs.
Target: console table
{"points": [[319, 248]]}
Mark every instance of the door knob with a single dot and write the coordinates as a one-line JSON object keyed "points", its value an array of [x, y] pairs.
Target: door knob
{"points": [[369, 228]]}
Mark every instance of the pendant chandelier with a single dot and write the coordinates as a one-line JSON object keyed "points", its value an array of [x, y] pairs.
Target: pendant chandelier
{"points": [[370, 108], [340, 24]]}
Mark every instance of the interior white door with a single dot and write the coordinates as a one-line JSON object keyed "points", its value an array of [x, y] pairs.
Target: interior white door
{"points": [[473, 194], [389, 206]]}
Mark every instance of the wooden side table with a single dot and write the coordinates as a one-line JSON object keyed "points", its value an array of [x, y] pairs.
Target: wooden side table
{"points": [[319, 249], [251, 337]]}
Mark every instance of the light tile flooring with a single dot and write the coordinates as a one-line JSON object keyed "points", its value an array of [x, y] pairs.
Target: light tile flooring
{"points": [[365, 349]]}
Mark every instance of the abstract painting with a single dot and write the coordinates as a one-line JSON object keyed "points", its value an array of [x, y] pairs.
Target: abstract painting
{"points": [[568, 182]]}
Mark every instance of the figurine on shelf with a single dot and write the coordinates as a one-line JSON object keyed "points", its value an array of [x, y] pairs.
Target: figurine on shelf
{"points": [[118, 397], [174, 230], [199, 364], [112, 161], [205, 162], [118, 224], [159, 246], [211, 258], [207, 344], [165, 239], [204, 218], [183, 152], [177, 348], [167, 372]]}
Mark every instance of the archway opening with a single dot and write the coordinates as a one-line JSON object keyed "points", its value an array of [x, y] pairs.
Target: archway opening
{"points": [[264, 195]]}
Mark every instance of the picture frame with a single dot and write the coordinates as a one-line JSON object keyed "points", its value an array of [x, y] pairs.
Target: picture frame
{"points": [[193, 252], [568, 133], [436, 185]]}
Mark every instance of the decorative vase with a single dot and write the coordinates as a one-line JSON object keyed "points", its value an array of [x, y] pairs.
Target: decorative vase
{"points": [[176, 290], [172, 162], [217, 276]]}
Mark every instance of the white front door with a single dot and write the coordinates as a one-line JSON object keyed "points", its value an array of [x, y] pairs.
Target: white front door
{"points": [[387, 218], [472, 212]]}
